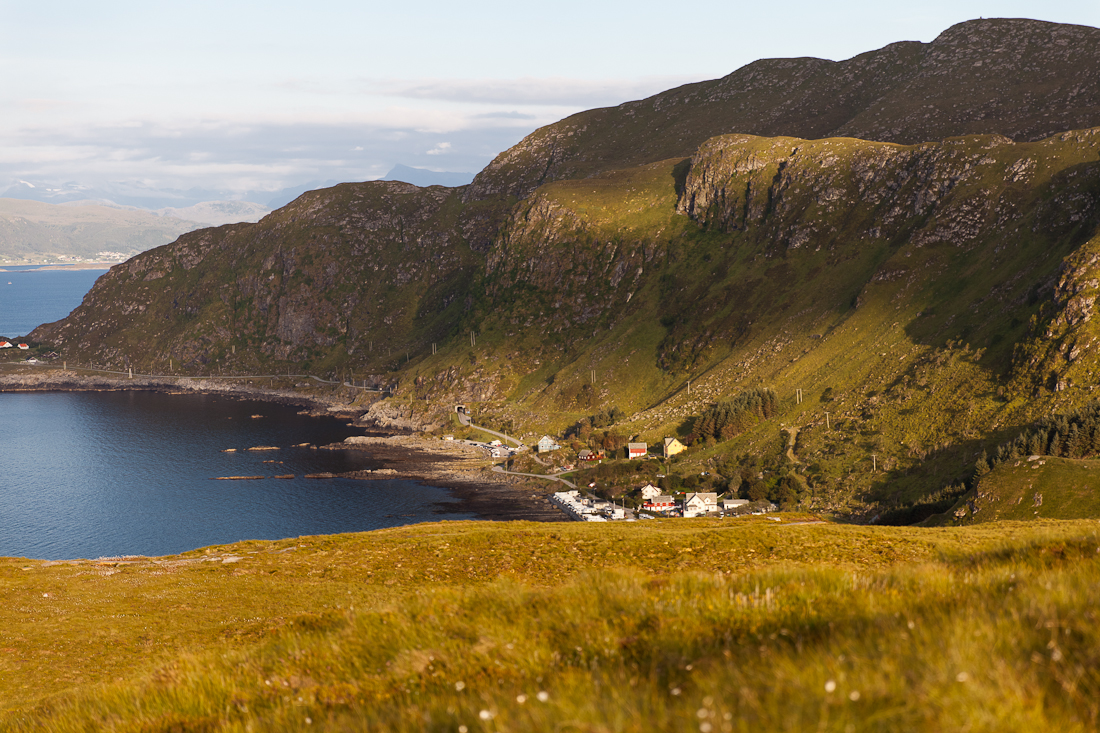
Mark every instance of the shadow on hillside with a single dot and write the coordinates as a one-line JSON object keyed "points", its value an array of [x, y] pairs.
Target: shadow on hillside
{"points": [[899, 491]]}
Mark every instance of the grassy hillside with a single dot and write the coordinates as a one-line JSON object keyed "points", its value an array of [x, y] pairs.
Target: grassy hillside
{"points": [[922, 296], [742, 625], [1044, 487]]}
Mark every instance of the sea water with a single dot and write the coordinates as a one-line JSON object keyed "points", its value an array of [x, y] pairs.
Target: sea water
{"points": [[30, 297], [99, 474]]}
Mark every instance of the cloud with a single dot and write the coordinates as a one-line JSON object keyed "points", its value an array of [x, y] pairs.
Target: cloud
{"points": [[525, 91], [503, 116], [38, 106], [239, 158]]}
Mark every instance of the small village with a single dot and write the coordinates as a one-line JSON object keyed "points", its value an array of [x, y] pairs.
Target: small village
{"points": [[650, 502]]}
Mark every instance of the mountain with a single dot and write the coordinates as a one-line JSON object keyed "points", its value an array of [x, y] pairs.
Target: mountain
{"points": [[1024, 79], [218, 212], [912, 291], [425, 177], [138, 195], [34, 232]]}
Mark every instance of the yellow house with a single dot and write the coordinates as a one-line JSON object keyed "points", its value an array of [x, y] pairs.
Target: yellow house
{"points": [[672, 447]]}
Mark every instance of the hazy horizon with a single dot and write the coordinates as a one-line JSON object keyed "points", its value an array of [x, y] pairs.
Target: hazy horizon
{"points": [[247, 97]]}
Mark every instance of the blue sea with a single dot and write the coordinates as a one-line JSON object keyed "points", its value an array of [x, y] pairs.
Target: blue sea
{"points": [[31, 297], [102, 474]]}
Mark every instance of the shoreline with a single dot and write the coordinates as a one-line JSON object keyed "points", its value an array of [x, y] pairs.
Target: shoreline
{"points": [[59, 266], [460, 469]]}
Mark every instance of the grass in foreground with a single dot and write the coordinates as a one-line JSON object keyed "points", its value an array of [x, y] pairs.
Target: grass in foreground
{"points": [[702, 625]]}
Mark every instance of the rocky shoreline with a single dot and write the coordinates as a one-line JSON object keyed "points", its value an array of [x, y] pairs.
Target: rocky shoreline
{"points": [[461, 469]]}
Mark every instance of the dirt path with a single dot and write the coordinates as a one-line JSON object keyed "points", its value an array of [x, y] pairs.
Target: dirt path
{"points": [[793, 432]]}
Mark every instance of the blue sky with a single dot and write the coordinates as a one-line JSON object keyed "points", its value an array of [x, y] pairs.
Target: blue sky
{"points": [[242, 96]]}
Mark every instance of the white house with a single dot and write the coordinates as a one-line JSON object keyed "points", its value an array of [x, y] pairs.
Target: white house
{"points": [[700, 503], [636, 450], [547, 444], [650, 491], [728, 504]]}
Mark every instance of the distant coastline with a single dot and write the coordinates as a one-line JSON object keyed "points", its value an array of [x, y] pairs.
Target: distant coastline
{"points": [[34, 267]]}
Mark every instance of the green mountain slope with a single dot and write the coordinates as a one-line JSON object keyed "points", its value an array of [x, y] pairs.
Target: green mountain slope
{"points": [[924, 300]]}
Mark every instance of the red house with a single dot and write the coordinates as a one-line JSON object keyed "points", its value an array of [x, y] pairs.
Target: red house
{"points": [[661, 503]]}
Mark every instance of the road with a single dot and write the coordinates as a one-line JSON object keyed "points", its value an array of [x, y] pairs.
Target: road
{"points": [[570, 484]]}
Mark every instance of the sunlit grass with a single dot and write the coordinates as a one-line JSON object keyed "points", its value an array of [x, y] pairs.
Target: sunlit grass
{"points": [[743, 625]]}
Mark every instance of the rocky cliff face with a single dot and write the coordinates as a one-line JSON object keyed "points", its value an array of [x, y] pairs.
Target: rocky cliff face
{"points": [[776, 219], [358, 273]]}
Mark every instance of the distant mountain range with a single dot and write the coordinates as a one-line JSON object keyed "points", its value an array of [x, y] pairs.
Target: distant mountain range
{"points": [[425, 177], [140, 196]]}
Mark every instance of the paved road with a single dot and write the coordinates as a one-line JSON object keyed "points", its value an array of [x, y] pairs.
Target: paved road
{"points": [[570, 484]]}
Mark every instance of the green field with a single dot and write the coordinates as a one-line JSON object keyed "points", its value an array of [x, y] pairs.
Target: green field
{"points": [[706, 625]]}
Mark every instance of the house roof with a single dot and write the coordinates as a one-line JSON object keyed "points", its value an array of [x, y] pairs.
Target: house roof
{"points": [[670, 441], [637, 446]]}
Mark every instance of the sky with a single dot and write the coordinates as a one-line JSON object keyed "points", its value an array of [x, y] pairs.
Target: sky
{"points": [[240, 97]]}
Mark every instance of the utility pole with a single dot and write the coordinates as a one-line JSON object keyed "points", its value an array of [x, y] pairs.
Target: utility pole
{"points": [[827, 426], [874, 463]]}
